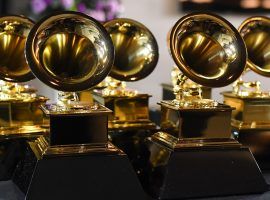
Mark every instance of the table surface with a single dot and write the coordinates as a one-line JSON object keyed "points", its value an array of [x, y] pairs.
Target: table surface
{"points": [[9, 191]]}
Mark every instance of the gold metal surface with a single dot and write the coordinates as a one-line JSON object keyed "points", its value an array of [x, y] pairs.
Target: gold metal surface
{"points": [[256, 34], [78, 108], [69, 51], [113, 87], [41, 148], [136, 49], [13, 67], [207, 49], [136, 56], [251, 112], [128, 112], [13, 33]]}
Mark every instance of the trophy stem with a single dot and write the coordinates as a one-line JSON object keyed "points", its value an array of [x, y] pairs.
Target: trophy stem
{"points": [[189, 94], [66, 98], [184, 91], [249, 88], [114, 87]]}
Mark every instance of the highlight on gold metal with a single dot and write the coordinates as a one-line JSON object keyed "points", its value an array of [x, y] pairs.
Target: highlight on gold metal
{"points": [[208, 50], [69, 51], [136, 53], [13, 33], [256, 33]]}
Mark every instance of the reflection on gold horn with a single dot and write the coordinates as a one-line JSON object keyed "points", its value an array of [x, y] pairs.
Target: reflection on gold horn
{"points": [[69, 54], [136, 50], [208, 50], [13, 33], [256, 34]]}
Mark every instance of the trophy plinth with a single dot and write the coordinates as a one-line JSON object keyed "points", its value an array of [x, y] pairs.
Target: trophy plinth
{"points": [[194, 155], [250, 120], [66, 166], [73, 162], [21, 118], [129, 112], [64, 125]]}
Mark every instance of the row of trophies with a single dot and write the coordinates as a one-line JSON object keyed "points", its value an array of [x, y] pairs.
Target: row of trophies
{"points": [[106, 146]]}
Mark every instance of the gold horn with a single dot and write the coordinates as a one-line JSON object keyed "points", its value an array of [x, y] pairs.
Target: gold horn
{"points": [[256, 34], [69, 51], [13, 33], [207, 49], [136, 49]]}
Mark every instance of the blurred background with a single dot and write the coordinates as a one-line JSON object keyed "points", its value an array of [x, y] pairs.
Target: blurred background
{"points": [[158, 15]]}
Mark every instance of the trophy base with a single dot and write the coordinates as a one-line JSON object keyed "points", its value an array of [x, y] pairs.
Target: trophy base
{"points": [[129, 112], [95, 171], [258, 142], [132, 142], [192, 170], [13, 147], [11, 152]]}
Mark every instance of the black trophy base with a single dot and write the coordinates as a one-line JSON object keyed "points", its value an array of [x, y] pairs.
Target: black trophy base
{"points": [[132, 142], [258, 140], [11, 152], [78, 172], [198, 172]]}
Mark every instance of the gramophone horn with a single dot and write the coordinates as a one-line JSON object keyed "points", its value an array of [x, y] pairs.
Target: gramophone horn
{"points": [[136, 49], [13, 33], [207, 49], [69, 51], [256, 34]]}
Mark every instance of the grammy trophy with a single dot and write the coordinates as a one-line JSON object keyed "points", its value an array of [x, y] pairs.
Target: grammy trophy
{"points": [[70, 52], [194, 154]]}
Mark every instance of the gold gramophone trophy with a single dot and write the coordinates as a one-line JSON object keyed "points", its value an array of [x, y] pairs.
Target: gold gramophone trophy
{"points": [[136, 56], [195, 155], [71, 51], [20, 115], [251, 118]]}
